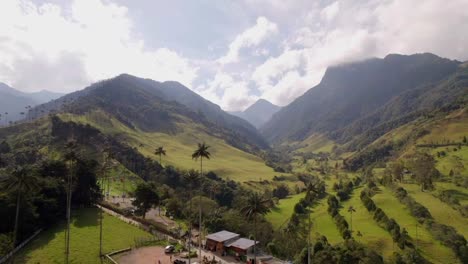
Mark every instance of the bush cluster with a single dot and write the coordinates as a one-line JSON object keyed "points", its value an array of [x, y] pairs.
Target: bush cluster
{"points": [[343, 189]]}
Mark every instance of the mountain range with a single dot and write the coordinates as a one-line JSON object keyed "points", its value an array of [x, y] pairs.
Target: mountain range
{"points": [[157, 107], [258, 113], [14, 102], [353, 106], [355, 98]]}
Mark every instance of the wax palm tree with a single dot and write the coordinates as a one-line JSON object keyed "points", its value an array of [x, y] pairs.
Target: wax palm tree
{"points": [[200, 153], [160, 151], [256, 205], [192, 179], [71, 158], [351, 210], [21, 180]]}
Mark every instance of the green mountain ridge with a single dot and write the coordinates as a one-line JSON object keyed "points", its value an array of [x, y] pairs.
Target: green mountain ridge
{"points": [[157, 107], [350, 92]]}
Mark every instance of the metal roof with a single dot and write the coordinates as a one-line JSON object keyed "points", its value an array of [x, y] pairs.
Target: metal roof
{"points": [[222, 236], [242, 243]]}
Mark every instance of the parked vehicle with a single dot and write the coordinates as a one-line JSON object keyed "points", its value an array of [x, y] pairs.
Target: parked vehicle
{"points": [[169, 249]]}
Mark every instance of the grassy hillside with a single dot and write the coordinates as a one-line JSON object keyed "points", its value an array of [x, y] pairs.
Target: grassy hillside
{"points": [[430, 248], [227, 161], [280, 214], [373, 235], [49, 246], [440, 211]]}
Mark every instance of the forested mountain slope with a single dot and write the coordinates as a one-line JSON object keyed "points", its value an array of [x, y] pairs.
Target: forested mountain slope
{"points": [[353, 91]]}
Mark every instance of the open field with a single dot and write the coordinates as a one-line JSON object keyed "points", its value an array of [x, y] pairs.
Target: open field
{"points": [[374, 236], [316, 143], [227, 161], [430, 248], [49, 246], [441, 212], [322, 223], [460, 193], [457, 161], [283, 211]]}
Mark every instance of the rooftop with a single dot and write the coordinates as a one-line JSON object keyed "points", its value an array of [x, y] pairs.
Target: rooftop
{"points": [[222, 236], [242, 243]]}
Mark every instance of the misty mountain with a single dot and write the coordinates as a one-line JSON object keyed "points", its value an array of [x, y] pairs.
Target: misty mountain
{"points": [[157, 107], [350, 92], [14, 102], [258, 113]]}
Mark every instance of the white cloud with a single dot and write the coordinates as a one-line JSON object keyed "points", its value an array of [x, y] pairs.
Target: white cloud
{"points": [[330, 11], [348, 31], [45, 46], [96, 36], [225, 90], [249, 38]]}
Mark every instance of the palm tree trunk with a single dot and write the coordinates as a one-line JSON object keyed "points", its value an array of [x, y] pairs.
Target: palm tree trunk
{"points": [[15, 230], [70, 178], [255, 240], [100, 232], [190, 226], [200, 212]]}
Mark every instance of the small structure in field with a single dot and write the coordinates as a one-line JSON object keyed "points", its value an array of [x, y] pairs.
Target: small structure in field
{"points": [[218, 241], [228, 242], [242, 246]]}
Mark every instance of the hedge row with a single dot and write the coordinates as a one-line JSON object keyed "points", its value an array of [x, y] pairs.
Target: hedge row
{"points": [[340, 221], [445, 234], [400, 237]]}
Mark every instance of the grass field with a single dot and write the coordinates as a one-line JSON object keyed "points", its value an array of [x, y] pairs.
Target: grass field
{"points": [[49, 247], [323, 224], [441, 212], [454, 160], [374, 236], [283, 211], [430, 248], [316, 143], [460, 193], [226, 161]]}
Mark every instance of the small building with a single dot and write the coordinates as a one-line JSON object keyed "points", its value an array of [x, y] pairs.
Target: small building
{"points": [[242, 246], [219, 241]]}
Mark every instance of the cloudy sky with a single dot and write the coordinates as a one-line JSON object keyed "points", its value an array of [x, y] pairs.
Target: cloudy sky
{"points": [[231, 52]]}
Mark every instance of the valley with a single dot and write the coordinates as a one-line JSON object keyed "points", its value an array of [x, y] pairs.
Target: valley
{"points": [[381, 175]]}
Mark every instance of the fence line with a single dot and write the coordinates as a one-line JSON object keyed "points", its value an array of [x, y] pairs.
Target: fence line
{"points": [[20, 246]]}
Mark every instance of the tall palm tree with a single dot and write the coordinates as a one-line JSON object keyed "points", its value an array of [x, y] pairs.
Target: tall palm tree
{"points": [[256, 205], [192, 179], [21, 180], [200, 153], [71, 157], [160, 151], [351, 210]]}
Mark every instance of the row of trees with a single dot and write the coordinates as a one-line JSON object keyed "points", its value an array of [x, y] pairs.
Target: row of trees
{"points": [[446, 234], [399, 236], [40, 194]]}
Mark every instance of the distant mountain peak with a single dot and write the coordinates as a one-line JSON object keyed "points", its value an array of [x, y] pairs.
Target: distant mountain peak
{"points": [[258, 113]]}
